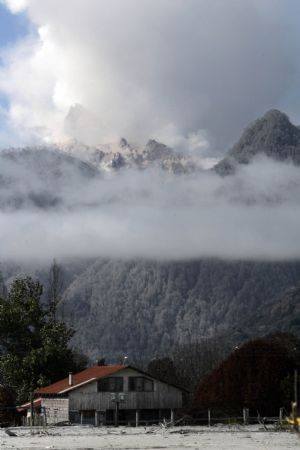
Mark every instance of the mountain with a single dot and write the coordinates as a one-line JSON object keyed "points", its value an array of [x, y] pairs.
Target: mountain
{"points": [[123, 155], [66, 175], [273, 135], [142, 308], [139, 307], [40, 177], [84, 127], [281, 313]]}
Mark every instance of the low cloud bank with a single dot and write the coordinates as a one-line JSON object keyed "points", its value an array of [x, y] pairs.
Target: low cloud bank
{"points": [[254, 214]]}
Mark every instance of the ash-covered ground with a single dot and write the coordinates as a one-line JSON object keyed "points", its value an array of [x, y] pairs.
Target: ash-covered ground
{"points": [[217, 437]]}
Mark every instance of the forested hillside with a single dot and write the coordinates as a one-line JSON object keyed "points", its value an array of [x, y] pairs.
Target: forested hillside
{"points": [[142, 309], [207, 244]]}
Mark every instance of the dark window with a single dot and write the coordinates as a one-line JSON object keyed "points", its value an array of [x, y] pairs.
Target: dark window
{"points": [[140, 384], [88, 417], [111, 384], [74, 416]]}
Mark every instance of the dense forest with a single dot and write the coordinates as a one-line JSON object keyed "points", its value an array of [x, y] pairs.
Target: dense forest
{"points": [[145, 309]]}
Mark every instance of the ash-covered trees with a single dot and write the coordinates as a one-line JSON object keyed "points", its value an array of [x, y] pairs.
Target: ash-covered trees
{"points": [[164, 369], [33, 343]]}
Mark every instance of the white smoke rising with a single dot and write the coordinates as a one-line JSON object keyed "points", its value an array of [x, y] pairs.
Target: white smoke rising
{"points": [[165, 69]]}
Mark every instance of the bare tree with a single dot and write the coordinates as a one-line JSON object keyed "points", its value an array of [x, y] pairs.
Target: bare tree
{"points": [[3, 289], [194, 360], [55, 288]]}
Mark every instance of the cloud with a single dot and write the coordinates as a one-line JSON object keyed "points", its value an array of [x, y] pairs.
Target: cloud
{"points": [[16, 6], [191, 73], [151, 68], [254, 214]]}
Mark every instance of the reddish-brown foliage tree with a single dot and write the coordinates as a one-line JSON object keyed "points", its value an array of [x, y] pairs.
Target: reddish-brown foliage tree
{"points": [[258, 375]]}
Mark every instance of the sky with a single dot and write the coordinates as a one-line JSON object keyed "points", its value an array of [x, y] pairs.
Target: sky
{"points": [[13, 27], [164, 69]]}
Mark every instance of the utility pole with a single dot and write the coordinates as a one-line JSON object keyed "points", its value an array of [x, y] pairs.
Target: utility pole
{"points": [[31, 409], [116, 413], [295, 386], [294, 403], [117, 398]]}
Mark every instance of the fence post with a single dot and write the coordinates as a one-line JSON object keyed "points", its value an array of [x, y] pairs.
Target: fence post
{"points": [[280, 415], [246, 416], [209, 417], [172, 417]]}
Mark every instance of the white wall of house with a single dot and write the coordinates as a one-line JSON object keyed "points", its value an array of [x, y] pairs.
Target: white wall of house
{"points": [[56, 409]]}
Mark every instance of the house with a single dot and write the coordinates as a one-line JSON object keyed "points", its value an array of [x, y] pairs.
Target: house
{"points": [[109, 394]]}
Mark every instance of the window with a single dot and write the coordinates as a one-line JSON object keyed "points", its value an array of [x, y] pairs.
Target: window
{"points": [[111, 384], [140, 384]]}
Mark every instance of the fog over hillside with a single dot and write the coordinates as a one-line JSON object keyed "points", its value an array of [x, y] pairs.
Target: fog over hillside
{"points": [[54, 204]]}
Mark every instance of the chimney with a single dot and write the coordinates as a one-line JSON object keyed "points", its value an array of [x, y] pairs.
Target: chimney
{"points": [[70, 379], [100, 362]]}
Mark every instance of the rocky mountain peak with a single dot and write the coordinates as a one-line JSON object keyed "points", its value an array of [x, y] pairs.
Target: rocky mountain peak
{"points": [[273, 135], [275, 116], [273, 129], [123, 143], [156, 150]]}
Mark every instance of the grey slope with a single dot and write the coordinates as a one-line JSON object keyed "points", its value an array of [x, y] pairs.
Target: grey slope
{"points": [[272, 135], [143, 308]]}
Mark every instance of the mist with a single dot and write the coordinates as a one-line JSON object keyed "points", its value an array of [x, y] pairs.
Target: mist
{"points": [[187, 72], [254, 214]]}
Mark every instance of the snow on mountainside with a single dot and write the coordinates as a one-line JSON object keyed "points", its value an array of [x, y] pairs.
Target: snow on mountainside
{"points": [[68, 174], [116, 156], [273, 135], [40, 177]]}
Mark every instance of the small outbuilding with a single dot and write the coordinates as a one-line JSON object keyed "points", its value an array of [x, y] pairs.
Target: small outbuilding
{"points": [[109, 395]]}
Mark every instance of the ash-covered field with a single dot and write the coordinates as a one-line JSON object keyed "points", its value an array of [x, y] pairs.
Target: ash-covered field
{"points": [[218, 437]]}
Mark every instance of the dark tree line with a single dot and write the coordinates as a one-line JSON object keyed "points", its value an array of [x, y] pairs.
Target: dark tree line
{"points": [[34, 342], [258, 375], [189, 363]]}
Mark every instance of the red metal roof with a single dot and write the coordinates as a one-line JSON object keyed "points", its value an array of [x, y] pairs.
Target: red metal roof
{"points": [[92, 373], [36, 403]]}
